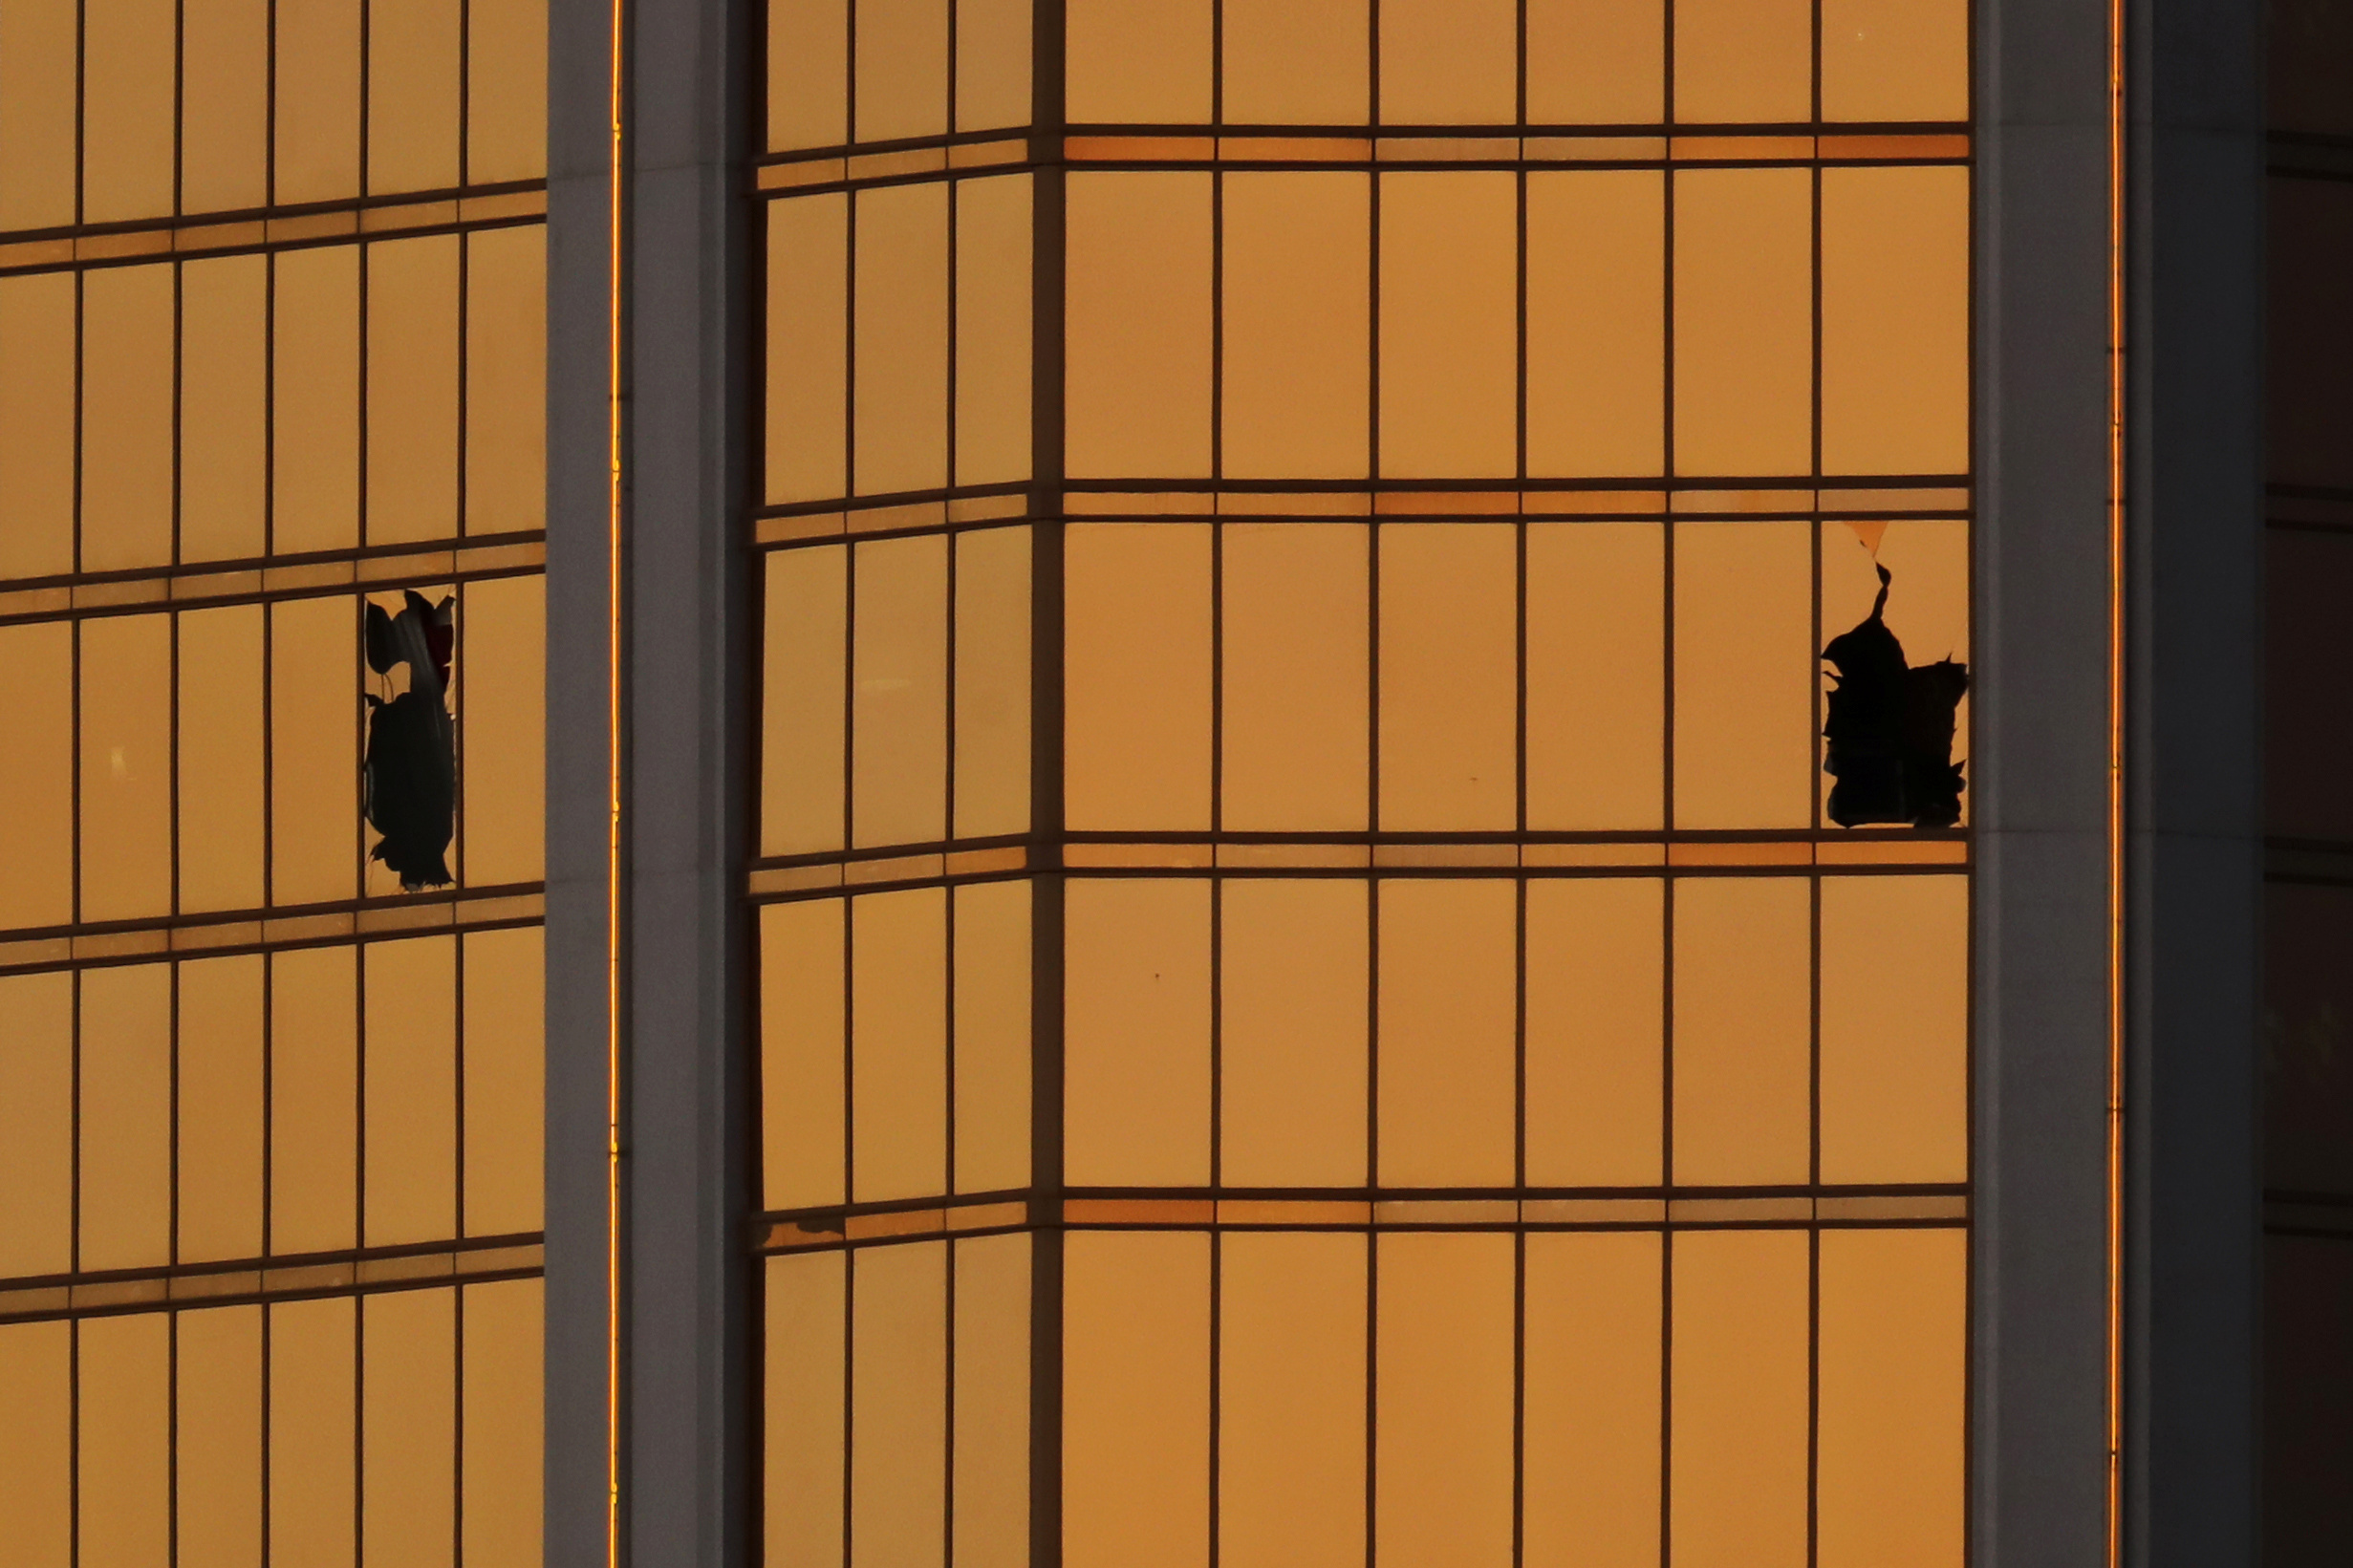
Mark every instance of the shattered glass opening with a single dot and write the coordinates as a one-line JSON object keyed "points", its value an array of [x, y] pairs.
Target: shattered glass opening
{"points": [[1889, 728], [410, 772]]}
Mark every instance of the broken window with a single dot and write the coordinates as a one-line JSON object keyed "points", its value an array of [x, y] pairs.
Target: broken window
{"points": [[1889, 728], [411, 771]]}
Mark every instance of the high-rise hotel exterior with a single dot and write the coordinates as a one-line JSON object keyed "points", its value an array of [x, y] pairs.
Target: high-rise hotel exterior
{"points": [[1176, 783]]}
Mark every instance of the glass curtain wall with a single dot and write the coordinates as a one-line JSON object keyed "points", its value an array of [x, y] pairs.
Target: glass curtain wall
{"points": [[272, 668], [1318, 1001]]}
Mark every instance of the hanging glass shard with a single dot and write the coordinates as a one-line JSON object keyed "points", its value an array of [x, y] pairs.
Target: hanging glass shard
{"points": [[1889, 728], [411, 769]]}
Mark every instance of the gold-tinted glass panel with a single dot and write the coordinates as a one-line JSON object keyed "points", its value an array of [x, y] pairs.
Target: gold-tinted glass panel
{"points": [[1296, 356], [993, 343], [312, 1395], [1594, 1074], [1894, 1016], [126, 417], [1450, 684], [807, 1368], [990, 1521], [1893, 1352], [1596, 323], [506, 1050], [802, 1060], [36, 1444], [1894, 59], [1743, 316], [224, 105], [315, 347], [501, 698], [411, 1091], [899, 342], [1450, 324], [221, 1094], [122, 1438], [1447, 1032], [505, 378], [222, 756], [413, 390], [1739, 1399], [899, 1397], [1295, 62], [1596, 64], [223, 408], [1449, 62], [1136, 1400], [992, 63], [898, 714], [313, 751], [36, 404], [992, 682], [124, 1114], [991, 1023], [1743, 61], [127, 784], [129, 49], [1139, 64], [36, 1126], [1590, 1459], [1895, 320], [808, 73], [413, 81], [808, 348], [899, 1045], [901, 86], [1136, 383], [1442, 1421], [318, 99], [37, 788], [1595, 680], [1292, 1066], [803, 788], [313, 1100], [1743, 1065], [506, 90], [1136, 694], [1291, 1400], [218, 1438], [500, 1398], [39, 73], [1294, 715], [408, 1427], [1135, 1027], [1743, 706]]}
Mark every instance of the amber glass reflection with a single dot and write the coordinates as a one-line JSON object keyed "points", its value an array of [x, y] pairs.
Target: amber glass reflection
{"points": [[990, 1521], [1296, 360], [39, 60], [899, 716], [1450, 324], [220, 1097], [803, 715], [1295, 692], [1896, 321], [1295, 62], [1139, 64], [1742, 1057], [502, 708], [1442, 1419], [36, 408], [900, 85], [1291, 1400], [991, 784], [218, 1437], [1739, 1399], [223, 422], [222, 756], [993, 357], [1894, 1019], [1136, 684], [1449, 676], [315, 399], [411, 1091], [1596, 322], [1136, 382], [1743, 61], [1589, 1457], [991, 1021], [899, 1343], [1292, 1065], [1595, 678], [1446, 1032], [1593, 1082], [1894, 59], [1594, 64], [506, 378], [36, 1124], [413, 81], [35, 1441], [126, 786], [37, 788], [500, 1395], [808, 347], [318, 99], [126, 417], [1136, 1400], [315, 751], [314, 1100], [807, 73], [1893, 1372], [504, 1040], [1448, 62], [802, 1039], [899, 1045], [225, 107], [992, 63], [1743, 316], [900, 336], [128, 60], [122, 1438], [1135, 1024], [312, 1417], [802, 1445], [1743, 707], [408, 1427], [506, 90], [412, 391], [124, 1116]]}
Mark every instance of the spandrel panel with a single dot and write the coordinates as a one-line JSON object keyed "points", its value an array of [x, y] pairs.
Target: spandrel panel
{"points": [[36, 1444], [991, 1020], [1142, 65], [1742, 1031], [223, 408], [1136, 695], [1893, 1374], [901, 78], [899, 1045], [992, 64], [801, 1046], [36, 1124], [225, 104], [899, 723], [1292, 1065], [413, 390], [989, 1521], [501, 676], [221, 757], [318, 99], [122, 1438], [505, 1033], [900, 355], [899, 1396], [1896, 321], [505, 373], [315, 347], [127, 758], [411, 1028], [1296, 352], [1744, 62], [992, 682], [1594, 1070], [1446, 1032], [1450, 324], [1136, 1400], [129, 58], [222, 1084], [506, 90], [1596, 64], [1589, 1452], [1449, 62], [313, 751], [40, 54], [1449, 710], [1136, 382], [311, 1418], [126, 417], [1894, 59], [37, 788], [1744, 319], [1295, 722], [1291, 1400], [408, 1427], [808, 74], [1444, 1372], [313, 1100], [36, 413], [1296, 62], [1596, 323], [993, 340], [808, 348], [1743, 710], [804, 692], [217, 1438], [1596, 676], [413, 108], [802, 1444], [1925, 613], [1135, 1022], [1894, 1019], [501, 1436], [1738, 1406]]}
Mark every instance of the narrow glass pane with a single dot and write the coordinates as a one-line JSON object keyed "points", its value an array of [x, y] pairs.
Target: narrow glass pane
{"points": [[1894, 1338], [223, 408], [505, 1051], [1739, 1403], [220, 1111], [221, 757], [1926, 611], [409, 1427], [124, 1117], [1896, 321], [1136, 676], [1136, 1400], [808, 346], [36, 1444], [1442, 1448], [992, 1515], [992, 682], [506, 378], [1135, 1025], [1743, 317], [413, 96], [122, 1469], [317, 100], [1894, 59], [1744, 62], [993, 345], [1449, 62], [903, 69], [311, 1463], [1449, 676], [900, 349], [1895, 1028], [1292, 1058], [1595, 1074], [1590, 1455], [1744, 714], [808, 74], [1291, 1401], [899, 725], [1132, 64], [1447, 1045], [1296, 62], [126, 785], [500, 1399], [1742, 1021], [1296, 674], [1136, 382], [218, 1438], [1596, 676], [413, 390], [36, 408], [315, 371], [802, 1113], [899, 1045], [1296, 356], [313, 751], [126, 417], [412, 1091], [1592, 64], [1596, 323], [898, 1394], [36, 1124], [1450, 324], [991, 1020], [806, 1363], [129, 49], [313, 1100], [39, 74], [803, 695], [37, 788], [506, 91], [501, 676], [992, 63]]}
